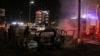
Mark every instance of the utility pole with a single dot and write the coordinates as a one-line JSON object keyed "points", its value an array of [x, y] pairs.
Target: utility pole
{"points": [[79, 17]]}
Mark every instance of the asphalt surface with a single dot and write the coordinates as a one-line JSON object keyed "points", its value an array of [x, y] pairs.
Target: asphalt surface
{"points": [[81, 50]]}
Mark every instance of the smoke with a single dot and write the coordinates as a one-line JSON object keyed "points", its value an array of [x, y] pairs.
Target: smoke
{"points": [[68, 26], [68, 11], [68, 8]]}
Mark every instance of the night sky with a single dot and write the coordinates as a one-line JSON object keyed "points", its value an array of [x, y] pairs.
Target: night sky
{"points": [[14, 7]]}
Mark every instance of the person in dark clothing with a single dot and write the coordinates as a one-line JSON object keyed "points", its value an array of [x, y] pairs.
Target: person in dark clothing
{"points": [[11, 35], [26, 35], [6, 32], [26, 32], [16, 28]]}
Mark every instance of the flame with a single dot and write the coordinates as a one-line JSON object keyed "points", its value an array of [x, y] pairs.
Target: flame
{"points": [[68, 26]]}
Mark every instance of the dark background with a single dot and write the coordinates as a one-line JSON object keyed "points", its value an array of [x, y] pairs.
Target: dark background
{"points": [[19, 9]]}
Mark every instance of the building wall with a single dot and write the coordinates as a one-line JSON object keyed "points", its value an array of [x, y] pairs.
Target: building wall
{"points": [[42, 17]]}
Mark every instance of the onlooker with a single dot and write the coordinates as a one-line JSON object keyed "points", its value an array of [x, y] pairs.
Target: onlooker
{"points": [[16, 35], [11, 35], [26, 32], [26, 35], [16, 30], [6, 32]]}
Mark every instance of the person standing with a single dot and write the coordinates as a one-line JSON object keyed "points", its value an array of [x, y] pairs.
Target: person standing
{"points": [[6, 32], [11, 35], [26, 35], [16, 39]]}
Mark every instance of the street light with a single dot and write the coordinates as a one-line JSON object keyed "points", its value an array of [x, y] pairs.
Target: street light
{"points": [[30, 3]]}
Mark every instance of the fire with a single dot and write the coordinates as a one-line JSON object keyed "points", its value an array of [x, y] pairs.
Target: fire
{"points": [[68, 26]]}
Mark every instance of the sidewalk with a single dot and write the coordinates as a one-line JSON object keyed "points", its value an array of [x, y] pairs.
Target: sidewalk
{"points": [[96, 42]]}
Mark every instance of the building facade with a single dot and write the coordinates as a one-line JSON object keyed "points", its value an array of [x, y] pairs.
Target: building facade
{"points": [[42, 17]]}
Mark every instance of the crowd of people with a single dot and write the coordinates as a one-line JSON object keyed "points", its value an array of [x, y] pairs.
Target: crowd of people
{"points": [[12, 34]]}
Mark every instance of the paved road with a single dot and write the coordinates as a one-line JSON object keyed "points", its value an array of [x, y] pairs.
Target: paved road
{"points": [[85, 50], [82, 50]]}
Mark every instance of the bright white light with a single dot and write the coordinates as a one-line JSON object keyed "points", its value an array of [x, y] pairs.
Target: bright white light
{"points": [[89, 16], [14, 23], [45, 12], [31, 2], [20, 23], [92, 17], [84, 16]]}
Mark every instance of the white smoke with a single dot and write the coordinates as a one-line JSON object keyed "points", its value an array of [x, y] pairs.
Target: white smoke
{"points": [[67, 25], [68, 10]]}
